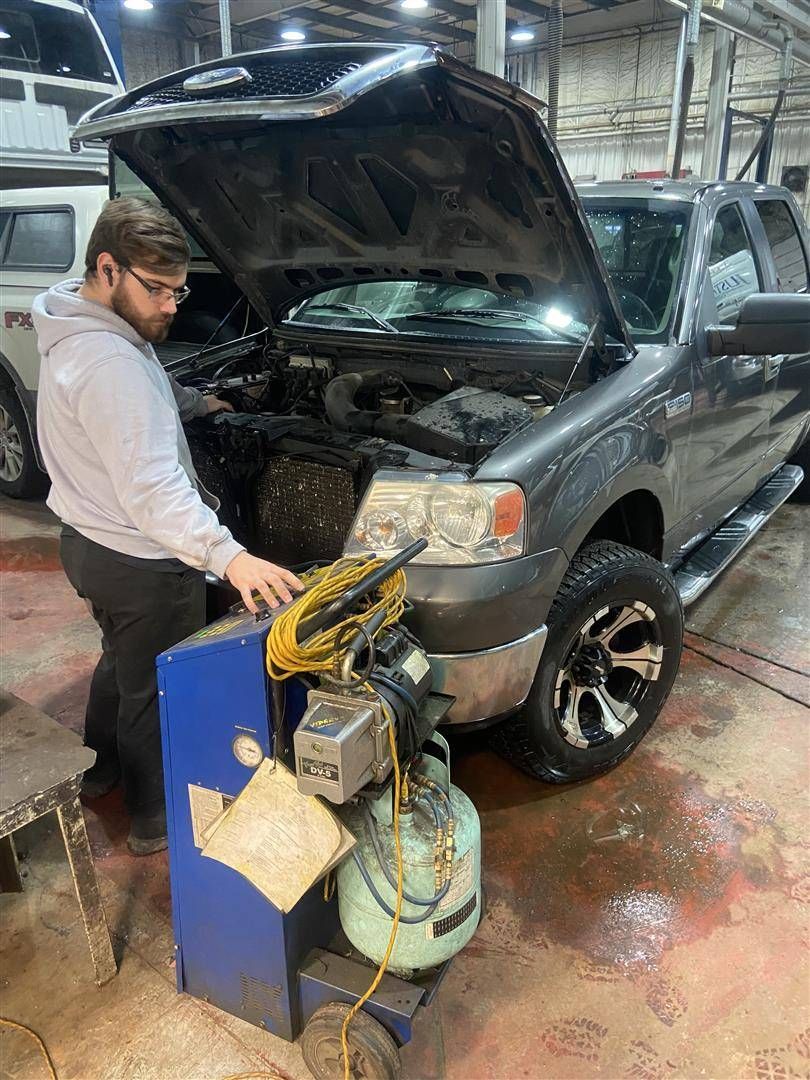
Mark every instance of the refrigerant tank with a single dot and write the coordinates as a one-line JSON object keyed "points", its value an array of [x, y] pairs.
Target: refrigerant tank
{"points": [[453, 922]]}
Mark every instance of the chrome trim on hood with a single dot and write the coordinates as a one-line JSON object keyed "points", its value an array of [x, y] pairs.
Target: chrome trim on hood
{"points": [[112, 117]]}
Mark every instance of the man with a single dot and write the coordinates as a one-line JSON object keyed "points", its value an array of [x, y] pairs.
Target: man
{"points": [[139, 530]]}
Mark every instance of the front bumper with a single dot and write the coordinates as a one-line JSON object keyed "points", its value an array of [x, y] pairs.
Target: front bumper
{"points": [[490, 682]]}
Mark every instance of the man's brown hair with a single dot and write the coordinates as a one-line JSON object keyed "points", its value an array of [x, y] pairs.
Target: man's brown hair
{"points": [[138, 233]]}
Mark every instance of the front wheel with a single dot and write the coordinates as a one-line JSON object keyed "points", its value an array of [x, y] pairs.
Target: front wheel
{"points": [[615, 632]]}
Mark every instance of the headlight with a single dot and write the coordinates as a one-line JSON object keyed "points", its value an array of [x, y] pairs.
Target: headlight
{"points": [[464, 522]]}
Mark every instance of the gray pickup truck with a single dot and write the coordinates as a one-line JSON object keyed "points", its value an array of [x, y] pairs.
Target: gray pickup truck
{"points": [[586, 403]]}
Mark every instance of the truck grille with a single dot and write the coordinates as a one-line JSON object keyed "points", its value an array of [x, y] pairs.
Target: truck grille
{"points": [[281, 76], [303, 509]]}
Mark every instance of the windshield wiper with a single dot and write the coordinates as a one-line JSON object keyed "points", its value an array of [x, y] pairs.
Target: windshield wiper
{"points": [[493, 313], [472, 313], [355, 309]]}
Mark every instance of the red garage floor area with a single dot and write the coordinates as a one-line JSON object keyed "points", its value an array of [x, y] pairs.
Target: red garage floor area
{"points": [[650, 924]]}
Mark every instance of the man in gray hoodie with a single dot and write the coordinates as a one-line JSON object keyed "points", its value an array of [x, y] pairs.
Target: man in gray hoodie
{"points": [[139, 529]]}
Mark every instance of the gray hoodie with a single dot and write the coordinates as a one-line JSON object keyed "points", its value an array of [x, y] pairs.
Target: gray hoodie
{"points": [[109, 424]]}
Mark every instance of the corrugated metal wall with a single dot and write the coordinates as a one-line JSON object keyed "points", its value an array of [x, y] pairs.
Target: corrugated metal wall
{"points": [[597, 77]]}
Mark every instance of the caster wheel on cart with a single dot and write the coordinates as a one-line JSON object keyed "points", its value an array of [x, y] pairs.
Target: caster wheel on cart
{"points": [[374, 1054]]}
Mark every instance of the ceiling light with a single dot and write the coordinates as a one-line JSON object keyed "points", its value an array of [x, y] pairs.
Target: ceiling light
{"points": [[293, 35], [139, 5], [521, 36], [413, 5], [4, 35]]}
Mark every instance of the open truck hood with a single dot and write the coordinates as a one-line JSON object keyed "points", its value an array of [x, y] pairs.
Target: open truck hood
{"points": [[302, 168]]}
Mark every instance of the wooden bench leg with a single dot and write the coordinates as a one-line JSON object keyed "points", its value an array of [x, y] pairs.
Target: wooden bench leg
{"points": [[71, 821], [10, 880]]}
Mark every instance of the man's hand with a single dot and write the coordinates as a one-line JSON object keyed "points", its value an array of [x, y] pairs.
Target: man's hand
{"points": [[249, 574], [216, 404]]}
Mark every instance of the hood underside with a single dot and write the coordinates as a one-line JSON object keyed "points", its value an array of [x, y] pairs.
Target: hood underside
{"points": [[333, 165]]}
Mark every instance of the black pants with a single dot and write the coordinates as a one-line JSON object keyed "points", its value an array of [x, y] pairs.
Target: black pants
{"points": [[142, 608]]}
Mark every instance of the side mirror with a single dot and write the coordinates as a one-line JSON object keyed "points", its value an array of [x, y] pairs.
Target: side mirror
{"points": [[768, 324]]}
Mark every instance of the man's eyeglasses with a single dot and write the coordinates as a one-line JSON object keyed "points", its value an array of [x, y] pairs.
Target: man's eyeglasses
{"points": [[160, 293]]}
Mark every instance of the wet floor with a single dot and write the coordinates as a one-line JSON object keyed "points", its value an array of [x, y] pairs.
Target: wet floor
{"points": [[650, 924]]}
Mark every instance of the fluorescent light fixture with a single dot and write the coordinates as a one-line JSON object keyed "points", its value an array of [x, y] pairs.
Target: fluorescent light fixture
{"points": [[293, 35], [139, 5], [557, 318], [413, 5], [520, 36], [4, 35]]}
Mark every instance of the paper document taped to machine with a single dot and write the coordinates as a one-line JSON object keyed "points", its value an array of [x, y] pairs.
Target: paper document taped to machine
{"points": [[206, 806], [277, 838]]}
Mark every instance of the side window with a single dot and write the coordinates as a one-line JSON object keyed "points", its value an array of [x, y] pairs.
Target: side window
{"points": [[41, 240], [5, 224], [732, 269], [786, 246]]}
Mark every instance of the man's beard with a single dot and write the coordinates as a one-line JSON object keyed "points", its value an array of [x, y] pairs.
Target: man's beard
{"points": [[153, 330]]}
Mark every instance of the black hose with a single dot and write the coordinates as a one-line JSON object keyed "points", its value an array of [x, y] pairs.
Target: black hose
{"points": [[333, 612], [372, 888], [371, 824], [767, 128], [555, 40], [340, 406]]}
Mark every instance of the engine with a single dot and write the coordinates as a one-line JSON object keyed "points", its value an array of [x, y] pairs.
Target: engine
{"points": [[291, 464]]}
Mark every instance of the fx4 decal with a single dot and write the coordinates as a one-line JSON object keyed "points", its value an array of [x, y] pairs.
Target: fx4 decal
{"points": [[22, 319]]}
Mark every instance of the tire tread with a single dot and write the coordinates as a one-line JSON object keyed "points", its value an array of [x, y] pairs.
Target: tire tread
{"points": [[511, 738]]}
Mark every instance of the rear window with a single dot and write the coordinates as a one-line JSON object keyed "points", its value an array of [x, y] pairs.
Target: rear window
{"points": [[39, 240], [785, 244], [48, 40]]}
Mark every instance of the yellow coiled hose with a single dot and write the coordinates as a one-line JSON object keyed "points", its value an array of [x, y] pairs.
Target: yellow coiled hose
{"points": [[286, 657]]}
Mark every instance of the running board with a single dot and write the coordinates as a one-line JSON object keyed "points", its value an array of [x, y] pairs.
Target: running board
{"points": [[714, 554]]}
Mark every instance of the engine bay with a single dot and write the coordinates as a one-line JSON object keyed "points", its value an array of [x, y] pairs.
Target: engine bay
{"points": [[309, 430]]}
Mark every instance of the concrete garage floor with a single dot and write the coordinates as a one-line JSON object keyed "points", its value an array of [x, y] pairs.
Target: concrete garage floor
{"points": [[651, 924]]}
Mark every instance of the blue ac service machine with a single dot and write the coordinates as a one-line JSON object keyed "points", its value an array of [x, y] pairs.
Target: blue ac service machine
{"points": [[358, 730]]}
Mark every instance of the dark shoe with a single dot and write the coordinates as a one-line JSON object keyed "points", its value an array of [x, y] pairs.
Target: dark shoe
{"points": [[147, 833], [99, 782]]}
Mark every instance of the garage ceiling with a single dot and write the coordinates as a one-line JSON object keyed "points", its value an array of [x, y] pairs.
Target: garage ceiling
{"points": [[448, 22], [451, 23]]}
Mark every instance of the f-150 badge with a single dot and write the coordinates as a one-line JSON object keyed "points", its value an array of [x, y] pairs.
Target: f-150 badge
{"points": [[677, 405]]}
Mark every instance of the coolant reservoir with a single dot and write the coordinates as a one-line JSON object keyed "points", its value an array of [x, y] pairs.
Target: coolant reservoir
{"points": [[450, 926], [537, 403]]}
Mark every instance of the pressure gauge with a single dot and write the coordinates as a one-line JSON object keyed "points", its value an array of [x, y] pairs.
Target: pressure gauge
{"points": [[247, 751]]}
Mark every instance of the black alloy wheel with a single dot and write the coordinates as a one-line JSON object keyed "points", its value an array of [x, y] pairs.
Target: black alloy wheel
{"points": [[614, 641]]}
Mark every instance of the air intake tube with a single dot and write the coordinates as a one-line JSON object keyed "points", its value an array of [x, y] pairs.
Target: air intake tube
{"points": [[344, 414]]}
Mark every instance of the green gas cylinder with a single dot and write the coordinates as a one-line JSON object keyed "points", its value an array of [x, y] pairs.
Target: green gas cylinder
{"points": [[440, 930]]}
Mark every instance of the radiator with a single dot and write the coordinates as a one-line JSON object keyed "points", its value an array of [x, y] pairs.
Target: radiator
{"points": [[303, 509]]}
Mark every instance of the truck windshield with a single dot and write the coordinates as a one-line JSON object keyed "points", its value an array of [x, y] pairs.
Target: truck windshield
{"points": [[443, 310], [642, 242], [44, 39]]}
